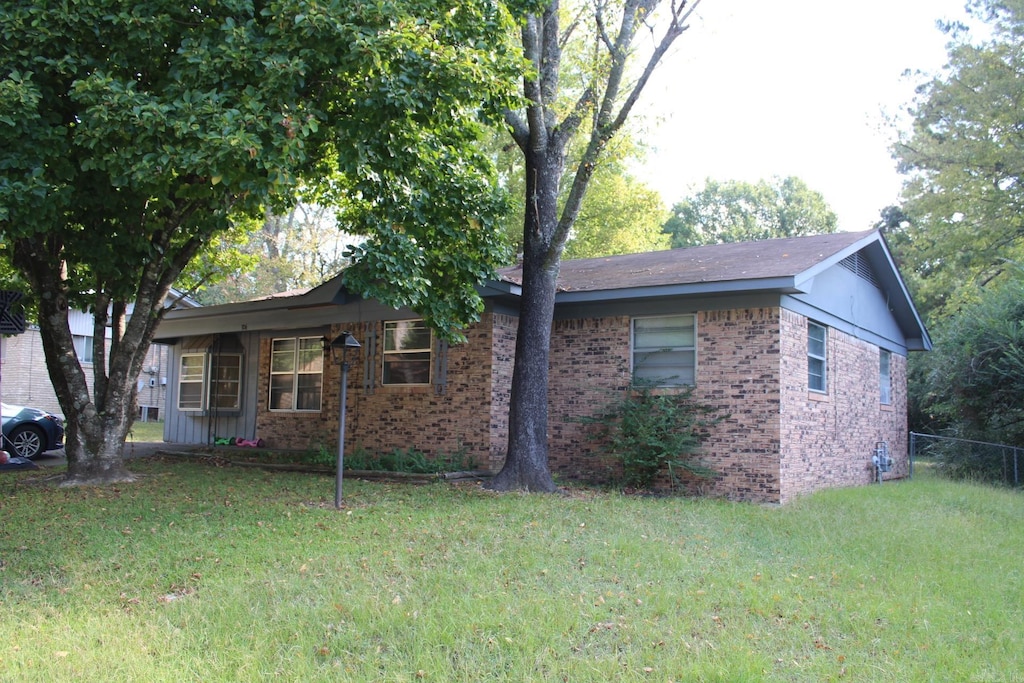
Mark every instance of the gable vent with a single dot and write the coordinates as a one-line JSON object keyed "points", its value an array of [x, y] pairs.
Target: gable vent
{"points": [[858, 265]]}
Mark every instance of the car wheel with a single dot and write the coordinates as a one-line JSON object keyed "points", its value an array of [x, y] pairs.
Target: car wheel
{"points": [[26, 442]]}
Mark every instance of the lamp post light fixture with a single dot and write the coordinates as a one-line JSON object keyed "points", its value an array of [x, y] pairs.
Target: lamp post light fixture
{"points": [[339, 349]]}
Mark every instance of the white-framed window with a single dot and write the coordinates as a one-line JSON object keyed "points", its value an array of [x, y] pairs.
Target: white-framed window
{"points": [[226, 381], [296, 373], [665, 350], [407, 352], [192, 381], [83, 347], [817, 359], [885, 376], [206, 381]]}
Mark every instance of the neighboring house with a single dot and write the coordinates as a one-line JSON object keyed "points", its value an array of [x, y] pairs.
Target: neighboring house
{"points": [[24, 379], [802, 342]]}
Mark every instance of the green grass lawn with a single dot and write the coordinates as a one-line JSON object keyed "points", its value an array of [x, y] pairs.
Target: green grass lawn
{"points": [[203, 573], [146, 431]]}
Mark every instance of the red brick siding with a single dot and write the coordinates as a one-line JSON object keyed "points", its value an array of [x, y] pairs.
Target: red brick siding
{"points": [[299, 429], [393, 417], [776, 442], [503, 353], [738, 375], [589, 366], [828, 439]]}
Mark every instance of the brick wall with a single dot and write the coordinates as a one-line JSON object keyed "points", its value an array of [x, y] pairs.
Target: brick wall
{"points": [[300, 430], [828, 439], [737, 374], [503, 352], [738, 357], [776, 439], [589, 369], [392, 417]]}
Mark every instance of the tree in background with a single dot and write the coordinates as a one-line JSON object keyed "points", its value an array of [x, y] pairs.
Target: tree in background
{"points": [[299, 249], [559, 104], [974, 378], [620, 214], [964, 159], [133, 135], [737, 211]]}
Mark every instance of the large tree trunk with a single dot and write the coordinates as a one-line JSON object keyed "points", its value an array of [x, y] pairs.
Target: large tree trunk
{"points": [[95, 451], [526, 461], [97, 424]]}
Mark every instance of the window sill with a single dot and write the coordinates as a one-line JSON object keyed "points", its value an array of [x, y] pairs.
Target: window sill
{"points": [[411, 388], [817, 396]]}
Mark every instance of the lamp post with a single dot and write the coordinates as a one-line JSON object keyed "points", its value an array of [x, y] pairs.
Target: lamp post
{"points": [[339, 347]]}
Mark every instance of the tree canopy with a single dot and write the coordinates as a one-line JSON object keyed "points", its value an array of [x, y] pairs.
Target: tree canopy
{"points": [[296, 249], [738, 211], [964, 160], [132, 134], [620, 214]]}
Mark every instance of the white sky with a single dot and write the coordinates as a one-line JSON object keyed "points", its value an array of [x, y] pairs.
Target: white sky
{"points": [[759, 88]]}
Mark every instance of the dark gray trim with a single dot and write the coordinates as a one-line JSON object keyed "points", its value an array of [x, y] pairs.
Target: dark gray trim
{"points": [[784, 284]]}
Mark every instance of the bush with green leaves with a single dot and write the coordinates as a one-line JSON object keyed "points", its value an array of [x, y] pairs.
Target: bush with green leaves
{"points": [[974, 377], [648, 431]]}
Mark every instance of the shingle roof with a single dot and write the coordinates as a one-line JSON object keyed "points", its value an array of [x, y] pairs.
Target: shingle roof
{"points": [[762, 260]]}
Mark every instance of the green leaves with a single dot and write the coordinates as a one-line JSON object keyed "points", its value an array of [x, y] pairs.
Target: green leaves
{"points": [[186, 118], [652, 432], [735, 211], [973, 383], [964, 159]]}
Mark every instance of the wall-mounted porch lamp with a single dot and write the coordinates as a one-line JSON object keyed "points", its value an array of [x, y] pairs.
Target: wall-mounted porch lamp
{"points": [[339, 351]]}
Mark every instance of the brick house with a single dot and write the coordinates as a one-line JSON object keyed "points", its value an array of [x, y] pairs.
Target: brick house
{"points": [[803, 342]]}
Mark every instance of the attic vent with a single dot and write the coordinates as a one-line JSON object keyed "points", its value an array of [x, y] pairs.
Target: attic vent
{"points": [[858, 265]]}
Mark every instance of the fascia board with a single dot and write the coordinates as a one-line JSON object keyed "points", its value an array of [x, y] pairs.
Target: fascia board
{"points": [[494, 288], [780, 284]]}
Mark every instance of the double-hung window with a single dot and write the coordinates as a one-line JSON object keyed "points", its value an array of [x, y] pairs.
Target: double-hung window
{"points": [[817, 359], [407, 355], [226, 381], [885, 376], [192, 381], [210, 382], [296, 373], [665, 350]]}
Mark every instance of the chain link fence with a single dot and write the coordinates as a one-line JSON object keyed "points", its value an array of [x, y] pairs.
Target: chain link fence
{"points": [[967, 459]]}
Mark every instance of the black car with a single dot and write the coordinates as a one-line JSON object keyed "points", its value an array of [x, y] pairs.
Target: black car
{"points": [[30, 431]]}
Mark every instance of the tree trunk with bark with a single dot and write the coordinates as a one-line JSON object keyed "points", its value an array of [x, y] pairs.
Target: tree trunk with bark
{"points": [[526, 467], [97, 422], [543, 133]]}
